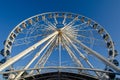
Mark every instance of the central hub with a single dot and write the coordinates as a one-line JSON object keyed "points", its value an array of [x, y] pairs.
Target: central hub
{"points": [[59, 32]]}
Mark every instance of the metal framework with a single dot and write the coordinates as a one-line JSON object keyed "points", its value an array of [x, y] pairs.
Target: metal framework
{"points": [[58, 44]]}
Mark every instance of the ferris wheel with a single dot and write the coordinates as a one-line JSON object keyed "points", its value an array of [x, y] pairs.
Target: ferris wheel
{"points": [[58, 42]]}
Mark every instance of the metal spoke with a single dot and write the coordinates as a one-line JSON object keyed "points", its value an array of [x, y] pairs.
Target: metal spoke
{"points": [[64, 20], [70, 37], [70, 23], [22, 41], [25, 52], [86, 30], [45, 56], [91, 39], [81, 55], [34, 58], [104, 60], [50, 24], [59, 42], [72, 54], [48, 53], [56, 22], [79, 25]]}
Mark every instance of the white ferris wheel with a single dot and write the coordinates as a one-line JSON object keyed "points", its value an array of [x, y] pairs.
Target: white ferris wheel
{"points": [[58, 41]]}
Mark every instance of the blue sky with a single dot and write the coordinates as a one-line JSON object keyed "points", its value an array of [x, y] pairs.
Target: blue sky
{"points": [[105, 12]]}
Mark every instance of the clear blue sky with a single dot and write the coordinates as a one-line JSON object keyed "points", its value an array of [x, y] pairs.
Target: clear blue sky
{"points": [[105, 12]]}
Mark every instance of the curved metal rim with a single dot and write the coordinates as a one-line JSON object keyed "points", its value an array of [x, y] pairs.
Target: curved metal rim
{"points": [[58, 13], [39, 15]]}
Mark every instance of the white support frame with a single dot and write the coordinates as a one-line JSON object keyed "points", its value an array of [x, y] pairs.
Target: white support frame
{"points": [[70, 36], [81, 55], [25, 52], [74, 58], [35, 57], [104, 60], [50, 24], [44, 57], [70, 23]]}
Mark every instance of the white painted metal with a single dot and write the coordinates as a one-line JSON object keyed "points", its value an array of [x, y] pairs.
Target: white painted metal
{"points": [[63, 22], [70, 23], [48, 53], [57, 67], [60, 45], [104, 60], [74, 58], [81, 55], [55, 18], [25, 52], [36, 56], [69, 34], [41, 62], [50, 24]]}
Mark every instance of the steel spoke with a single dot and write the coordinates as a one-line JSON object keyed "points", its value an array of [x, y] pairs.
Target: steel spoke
{"points": [[34, 58], [50, 24], [72, 54], [70, 23], [104, 60], [45, 56], [25, 52], [81, 55]]}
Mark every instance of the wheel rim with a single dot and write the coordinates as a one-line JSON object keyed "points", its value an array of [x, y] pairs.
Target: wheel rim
{"points": [[62, 49]]}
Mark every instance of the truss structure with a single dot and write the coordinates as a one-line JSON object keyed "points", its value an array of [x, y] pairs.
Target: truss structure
{"points": [[58, 43]]}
